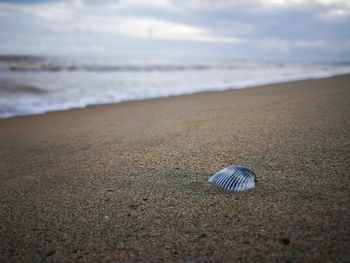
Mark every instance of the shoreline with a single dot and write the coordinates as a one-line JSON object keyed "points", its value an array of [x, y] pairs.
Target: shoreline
{"points": [[211, 90], [128, 181]]}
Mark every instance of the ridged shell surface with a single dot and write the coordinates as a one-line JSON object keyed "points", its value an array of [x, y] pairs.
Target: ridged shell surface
{"points": [[234, 178]]}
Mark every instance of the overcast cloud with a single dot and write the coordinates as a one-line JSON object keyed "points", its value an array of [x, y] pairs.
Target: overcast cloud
{"points": [[258, 29]]}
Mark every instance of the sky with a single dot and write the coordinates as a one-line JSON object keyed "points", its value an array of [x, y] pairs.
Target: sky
{"points": [[293, 30]]}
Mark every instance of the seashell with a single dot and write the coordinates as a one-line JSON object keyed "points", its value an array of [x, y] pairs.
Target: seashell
{"points": [[234, 178]]}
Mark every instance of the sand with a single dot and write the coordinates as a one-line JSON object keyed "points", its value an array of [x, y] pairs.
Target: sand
{"points": [[128, 182]]}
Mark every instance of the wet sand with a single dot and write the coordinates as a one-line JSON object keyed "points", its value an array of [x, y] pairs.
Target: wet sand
{"points": [[127, 182]]}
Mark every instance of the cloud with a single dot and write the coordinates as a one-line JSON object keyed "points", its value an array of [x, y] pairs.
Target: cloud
{"points": [[285, 28], [81, 17], [335, 14], [284, 46]]}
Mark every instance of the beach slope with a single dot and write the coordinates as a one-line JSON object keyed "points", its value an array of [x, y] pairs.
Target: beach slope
{"points": [[128, 182]]}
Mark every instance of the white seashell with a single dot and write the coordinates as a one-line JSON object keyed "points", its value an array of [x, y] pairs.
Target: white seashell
{"points": [[234, 178]]}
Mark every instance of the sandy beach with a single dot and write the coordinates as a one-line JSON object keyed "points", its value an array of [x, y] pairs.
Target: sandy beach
{"points": [[127, 182]]}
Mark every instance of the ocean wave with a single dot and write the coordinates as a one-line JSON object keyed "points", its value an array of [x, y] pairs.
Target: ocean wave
{"points": [[28, 91], [8, 87], [57, 67], [50, 64]]}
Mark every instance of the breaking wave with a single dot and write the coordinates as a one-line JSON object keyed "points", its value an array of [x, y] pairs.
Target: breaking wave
{"points": [[32, 85]]}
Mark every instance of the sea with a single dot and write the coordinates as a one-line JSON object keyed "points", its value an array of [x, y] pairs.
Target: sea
{"points": [[36, 84]]}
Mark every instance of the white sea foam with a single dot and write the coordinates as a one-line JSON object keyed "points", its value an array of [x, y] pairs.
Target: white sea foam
{"points": [[32, 85]]}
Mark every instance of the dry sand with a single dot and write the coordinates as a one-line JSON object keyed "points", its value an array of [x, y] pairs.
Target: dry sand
{"points": [[127, 182]]}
